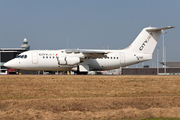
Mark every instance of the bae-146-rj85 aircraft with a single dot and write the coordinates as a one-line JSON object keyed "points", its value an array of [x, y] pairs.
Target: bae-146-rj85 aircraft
{"points": [[84, 60]]}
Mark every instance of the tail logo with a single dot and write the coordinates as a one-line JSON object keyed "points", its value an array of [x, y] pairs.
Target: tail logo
{"points": [[145, 42]]}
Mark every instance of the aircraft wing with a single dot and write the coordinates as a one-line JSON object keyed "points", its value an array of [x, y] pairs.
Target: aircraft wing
{"points": [[89, 53]]}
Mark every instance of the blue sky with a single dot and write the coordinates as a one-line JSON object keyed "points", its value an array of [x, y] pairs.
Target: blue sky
{"points": [[91, 24]]}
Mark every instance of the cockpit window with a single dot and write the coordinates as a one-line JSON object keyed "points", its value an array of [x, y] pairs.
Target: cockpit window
{"points": [[18, 56], [21, 56]]}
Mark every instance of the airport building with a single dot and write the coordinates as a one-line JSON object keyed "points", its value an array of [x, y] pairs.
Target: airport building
{"points": [[171, 68], [150, 71], [7, 54]]}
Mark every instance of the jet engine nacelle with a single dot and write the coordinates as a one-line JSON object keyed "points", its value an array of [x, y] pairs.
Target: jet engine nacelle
{"points": [[69, 60]]}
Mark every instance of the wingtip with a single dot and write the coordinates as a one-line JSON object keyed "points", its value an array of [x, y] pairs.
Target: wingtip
{"points": [[171, 26]]}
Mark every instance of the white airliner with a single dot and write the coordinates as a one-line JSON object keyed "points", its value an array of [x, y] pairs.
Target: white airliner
{"points": [[84, 60]]}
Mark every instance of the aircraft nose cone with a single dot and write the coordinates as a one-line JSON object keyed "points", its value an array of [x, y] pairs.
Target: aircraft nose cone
{"points": [[6, 64], [12, 64]]}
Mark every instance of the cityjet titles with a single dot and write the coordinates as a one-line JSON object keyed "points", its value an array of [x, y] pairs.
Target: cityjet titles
{"points": [[145, 42], [47, 54]]}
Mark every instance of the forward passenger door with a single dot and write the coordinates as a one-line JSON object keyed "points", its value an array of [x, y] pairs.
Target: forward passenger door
{"points": [[34, 57]]}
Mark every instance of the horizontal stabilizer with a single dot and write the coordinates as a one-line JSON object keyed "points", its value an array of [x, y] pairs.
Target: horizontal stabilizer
{"points": [[158, 29]]}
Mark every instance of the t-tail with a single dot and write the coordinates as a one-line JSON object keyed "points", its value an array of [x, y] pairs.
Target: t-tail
{"points": [[147, 40]]}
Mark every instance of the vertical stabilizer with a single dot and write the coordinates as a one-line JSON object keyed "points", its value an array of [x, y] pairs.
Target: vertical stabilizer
{"points": [[147, 40]]}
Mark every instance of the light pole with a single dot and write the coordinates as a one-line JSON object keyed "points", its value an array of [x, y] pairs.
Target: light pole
{"points": [[165, 60], [67, 42], [0, 60], [157, 60], [163, 32], [108, 47]]}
